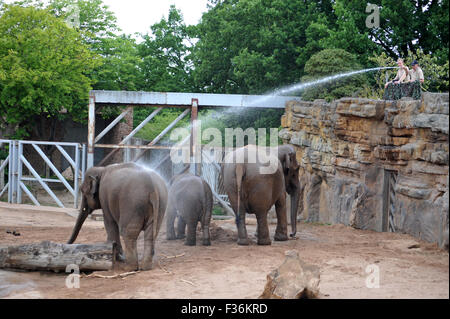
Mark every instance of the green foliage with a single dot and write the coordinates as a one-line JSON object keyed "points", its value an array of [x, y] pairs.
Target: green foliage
{"points": [[121, 70], [159, 123], [43, 68], [166, 61], [251, 46], [405, 25], [330, 62]]}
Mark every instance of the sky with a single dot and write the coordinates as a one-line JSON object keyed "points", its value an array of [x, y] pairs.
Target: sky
{"points": [[138, 15]]}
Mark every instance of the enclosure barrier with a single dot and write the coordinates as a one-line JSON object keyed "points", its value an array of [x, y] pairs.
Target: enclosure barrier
{"points": [[16, 162]]}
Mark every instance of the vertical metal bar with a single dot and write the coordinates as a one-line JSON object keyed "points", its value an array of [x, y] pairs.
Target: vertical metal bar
{"points": [[14, 184], [83, 162], [91, 132], [194, 138], [19, 174], [76, 176], [10, 170]]}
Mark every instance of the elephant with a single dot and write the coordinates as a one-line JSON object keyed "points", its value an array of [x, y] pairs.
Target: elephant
{"points": [[254, 191], [191, 200], [287, 157], [133, 199]]}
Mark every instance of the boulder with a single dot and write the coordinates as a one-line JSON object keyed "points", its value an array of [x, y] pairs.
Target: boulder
{"points": [[294, 279]]}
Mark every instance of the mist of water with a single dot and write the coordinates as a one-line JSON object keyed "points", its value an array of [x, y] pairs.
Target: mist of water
{"points": [[294, 88]]}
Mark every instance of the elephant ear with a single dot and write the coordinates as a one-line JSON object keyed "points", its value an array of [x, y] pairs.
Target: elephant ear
{"points": [[295, 164], [286, 163], [93, 185]]}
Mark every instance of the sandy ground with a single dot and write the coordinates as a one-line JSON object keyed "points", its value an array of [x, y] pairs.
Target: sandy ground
{"points": [[226, 270]]}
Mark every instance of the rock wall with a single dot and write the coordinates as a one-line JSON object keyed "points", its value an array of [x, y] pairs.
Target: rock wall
{"points": [[372, 164]]}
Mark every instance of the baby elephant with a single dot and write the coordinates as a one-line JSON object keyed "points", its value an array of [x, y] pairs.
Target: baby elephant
{"points": [[190, 199]]}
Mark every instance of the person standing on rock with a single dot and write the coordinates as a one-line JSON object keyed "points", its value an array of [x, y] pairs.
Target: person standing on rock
{"points": [[416, 74], [402, 73]]}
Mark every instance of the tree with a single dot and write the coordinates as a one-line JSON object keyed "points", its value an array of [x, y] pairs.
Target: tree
{"points": [[405, 25], [166, 66], [251, 46], [330, 62], [43, 70], [166, 55], [122, 69]]}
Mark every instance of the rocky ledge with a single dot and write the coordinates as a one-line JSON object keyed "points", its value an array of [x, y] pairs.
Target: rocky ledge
{"points": [[374, 164]]}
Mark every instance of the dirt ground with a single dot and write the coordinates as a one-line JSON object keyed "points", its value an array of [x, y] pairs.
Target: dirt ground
{"points": [[226, 270]]}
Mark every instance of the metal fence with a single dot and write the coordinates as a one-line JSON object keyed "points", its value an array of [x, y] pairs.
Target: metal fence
{"points": [[21, 172]]}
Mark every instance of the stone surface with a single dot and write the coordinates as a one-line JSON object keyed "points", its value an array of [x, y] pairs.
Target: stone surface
{"points": [[294, 279], [347, 149]]}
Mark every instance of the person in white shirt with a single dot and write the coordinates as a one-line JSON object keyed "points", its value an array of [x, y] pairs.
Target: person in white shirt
{"points": [[416, 74], [402, 73]]}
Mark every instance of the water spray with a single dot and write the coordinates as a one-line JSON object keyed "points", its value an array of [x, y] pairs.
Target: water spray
{"points": [[301, 86]]}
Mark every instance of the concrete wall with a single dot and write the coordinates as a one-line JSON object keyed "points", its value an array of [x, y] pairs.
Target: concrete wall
{"points": [[363, 159]]}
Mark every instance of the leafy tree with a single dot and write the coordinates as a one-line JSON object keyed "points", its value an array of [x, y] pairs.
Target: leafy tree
{"points": [[43, 69], [166, 55], [405, 25], [121, 70], [251, 46], [330, 62], [166, 66]]}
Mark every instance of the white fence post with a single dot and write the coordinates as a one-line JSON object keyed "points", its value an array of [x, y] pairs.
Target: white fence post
{"points": [[2, 176]]}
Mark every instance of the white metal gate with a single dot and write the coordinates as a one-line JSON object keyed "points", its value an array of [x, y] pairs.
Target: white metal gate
{"points": [[16, 162]]}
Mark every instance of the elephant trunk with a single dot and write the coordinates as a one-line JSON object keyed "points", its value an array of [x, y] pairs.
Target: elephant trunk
{"points": [[84, 213], [294, 209]]}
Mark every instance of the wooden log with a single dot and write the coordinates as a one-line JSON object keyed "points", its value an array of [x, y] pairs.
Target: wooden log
{"points": [[49, 256]]}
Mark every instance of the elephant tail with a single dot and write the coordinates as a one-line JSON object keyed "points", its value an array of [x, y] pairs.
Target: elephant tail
{"points": [[154, 202], [207, 203], [239, 178]]}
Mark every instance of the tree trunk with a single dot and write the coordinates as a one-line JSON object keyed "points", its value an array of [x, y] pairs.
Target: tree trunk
{"points": [[56, 257]]}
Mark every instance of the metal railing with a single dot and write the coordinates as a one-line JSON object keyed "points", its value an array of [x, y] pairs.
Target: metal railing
{"points": [[17, 162]]}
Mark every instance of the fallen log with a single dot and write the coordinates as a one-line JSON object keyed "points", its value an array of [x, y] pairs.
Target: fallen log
{"points": [[49, 256]]}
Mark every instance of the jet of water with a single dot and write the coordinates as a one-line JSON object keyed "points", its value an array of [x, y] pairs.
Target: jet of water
{"points": [[301, 86]]}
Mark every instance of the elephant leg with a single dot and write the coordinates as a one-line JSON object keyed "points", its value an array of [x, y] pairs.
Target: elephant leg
{"points": [[170, 221], [206, 235], [240, 220], [281, 233], [149, 247], [113, 234], [263, 229], [242, 229], [130, 235], [181, 228], [191, 234]]}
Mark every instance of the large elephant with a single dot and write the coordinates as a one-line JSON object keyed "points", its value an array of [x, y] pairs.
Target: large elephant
{"points": [[191, 200], [133, 199], [253, 188]]}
